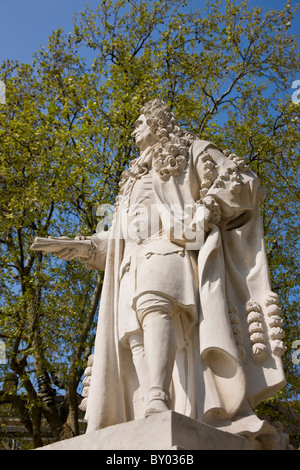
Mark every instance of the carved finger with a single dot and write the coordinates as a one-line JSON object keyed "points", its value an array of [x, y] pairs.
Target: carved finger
{"points": [[64, 253], [72, 254]]}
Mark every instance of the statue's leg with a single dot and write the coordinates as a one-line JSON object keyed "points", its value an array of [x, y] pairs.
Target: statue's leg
{"points": [[136, 343], [160, 349]]}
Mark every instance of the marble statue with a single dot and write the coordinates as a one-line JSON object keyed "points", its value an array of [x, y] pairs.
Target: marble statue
{"points": [[187, 319]]}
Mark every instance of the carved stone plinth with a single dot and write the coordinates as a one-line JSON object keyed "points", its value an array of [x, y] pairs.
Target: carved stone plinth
{"points": [[163, 431]]}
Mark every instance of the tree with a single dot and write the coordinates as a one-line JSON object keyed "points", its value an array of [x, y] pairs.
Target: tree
{"points": [[65, 140], [42, 188]]}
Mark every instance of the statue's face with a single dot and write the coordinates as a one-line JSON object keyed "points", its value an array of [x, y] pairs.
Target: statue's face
{"points": [[143, 135]]}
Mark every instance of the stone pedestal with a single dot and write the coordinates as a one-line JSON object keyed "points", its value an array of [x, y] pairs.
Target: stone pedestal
{"points": [[163, 431]]}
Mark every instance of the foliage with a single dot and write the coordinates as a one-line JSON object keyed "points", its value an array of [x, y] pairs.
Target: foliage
{"points": [[65, 139]]}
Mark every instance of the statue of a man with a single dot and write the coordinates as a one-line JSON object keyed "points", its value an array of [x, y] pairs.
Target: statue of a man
{"points": [[187, 317]]}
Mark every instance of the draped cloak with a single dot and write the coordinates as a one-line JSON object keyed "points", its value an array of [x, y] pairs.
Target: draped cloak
{"points": [[223, 369]]}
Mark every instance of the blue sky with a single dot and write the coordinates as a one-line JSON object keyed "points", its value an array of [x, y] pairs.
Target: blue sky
{"points": [[25, 25]]}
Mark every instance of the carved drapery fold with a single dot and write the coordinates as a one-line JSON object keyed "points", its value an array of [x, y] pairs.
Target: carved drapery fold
{"points": [[237, 330]]}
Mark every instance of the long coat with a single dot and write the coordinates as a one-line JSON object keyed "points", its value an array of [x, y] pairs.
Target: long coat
{"points": [[229, 360]]}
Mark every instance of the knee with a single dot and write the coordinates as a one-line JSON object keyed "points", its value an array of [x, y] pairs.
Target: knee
{"points": [[153, 308], [136, 342], [149, 317]]}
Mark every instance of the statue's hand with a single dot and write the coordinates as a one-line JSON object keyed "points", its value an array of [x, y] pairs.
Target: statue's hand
{"points": [[64, 247], [90, 252], [67, 254]]}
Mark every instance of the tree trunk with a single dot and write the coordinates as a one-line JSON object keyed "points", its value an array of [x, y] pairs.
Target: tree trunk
{"points": [[75, 372], [72, 420], [36, 427]]}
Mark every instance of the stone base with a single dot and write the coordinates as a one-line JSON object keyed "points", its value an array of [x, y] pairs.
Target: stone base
{"points": [[163, 431]]}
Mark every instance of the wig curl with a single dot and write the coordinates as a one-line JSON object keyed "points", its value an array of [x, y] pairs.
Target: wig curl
{"points": [[171, 151]]}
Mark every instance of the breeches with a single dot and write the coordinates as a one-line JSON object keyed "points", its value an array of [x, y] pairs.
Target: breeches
{"points": [[151, 302]]}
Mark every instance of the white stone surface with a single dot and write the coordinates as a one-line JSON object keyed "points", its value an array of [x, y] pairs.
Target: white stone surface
{"points": [[187, 324], [161, 431]]}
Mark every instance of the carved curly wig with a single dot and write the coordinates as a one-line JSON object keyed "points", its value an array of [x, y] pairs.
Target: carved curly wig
{"points": [[171, 152]]}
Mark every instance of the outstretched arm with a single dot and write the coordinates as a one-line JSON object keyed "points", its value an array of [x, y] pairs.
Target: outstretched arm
{"points": [[89, 250], [97, 253]]}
